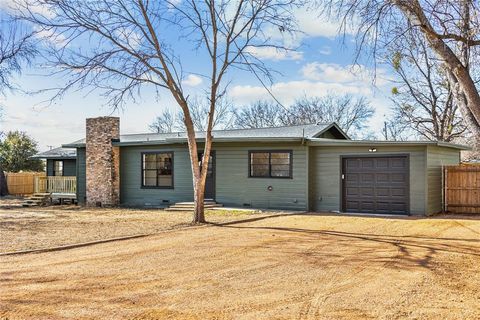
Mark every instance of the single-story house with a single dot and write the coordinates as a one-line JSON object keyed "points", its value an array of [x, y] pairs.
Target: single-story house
{"points": [[59, 162], [313, 167]]}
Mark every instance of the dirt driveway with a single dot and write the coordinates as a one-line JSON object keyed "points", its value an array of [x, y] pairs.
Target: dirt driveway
{"points": [[277, 267], [45, 227]]}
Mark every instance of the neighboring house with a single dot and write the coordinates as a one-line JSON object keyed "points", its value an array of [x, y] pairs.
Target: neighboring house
{"points": [[61, 172], [307, 167], [59, 161]]}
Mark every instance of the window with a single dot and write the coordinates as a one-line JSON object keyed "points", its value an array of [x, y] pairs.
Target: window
{"points": [[157, 170], [270, 164], [58, 168]]}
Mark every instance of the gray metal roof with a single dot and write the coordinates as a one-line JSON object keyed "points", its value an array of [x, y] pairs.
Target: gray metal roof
{"points": [[57, 153], [285, 133]]}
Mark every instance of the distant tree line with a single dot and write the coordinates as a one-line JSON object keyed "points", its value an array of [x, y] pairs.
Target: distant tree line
{"points": [[350, 112]]}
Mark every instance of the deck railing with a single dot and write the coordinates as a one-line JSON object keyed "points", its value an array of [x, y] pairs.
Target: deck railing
{"points": [[51, 184]]}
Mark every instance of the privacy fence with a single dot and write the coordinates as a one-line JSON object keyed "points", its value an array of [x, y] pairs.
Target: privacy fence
{"points": [[22, 183], [462, 189]]}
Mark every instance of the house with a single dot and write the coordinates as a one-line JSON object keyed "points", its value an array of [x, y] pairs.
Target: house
{"points": [[307, 167], [60, 162], [61, 173]]}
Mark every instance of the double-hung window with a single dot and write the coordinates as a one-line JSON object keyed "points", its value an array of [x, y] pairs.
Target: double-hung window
{"points": [[157, 170], [270, 164]]}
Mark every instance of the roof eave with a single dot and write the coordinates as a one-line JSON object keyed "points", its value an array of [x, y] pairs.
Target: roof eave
{"points": [[39, 156], [73, 145], [334, 142], [183, 140]]}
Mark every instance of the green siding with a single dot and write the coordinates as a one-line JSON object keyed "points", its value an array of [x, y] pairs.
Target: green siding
{"points": [[69, 167], [436, 158], [81, 175], [317, 188], [325, 180], [235, 188], [131, 191]]}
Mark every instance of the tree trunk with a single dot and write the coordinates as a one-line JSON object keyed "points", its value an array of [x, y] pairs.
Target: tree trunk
{"points": [[199, 207], [3, 184], [416, 16]]}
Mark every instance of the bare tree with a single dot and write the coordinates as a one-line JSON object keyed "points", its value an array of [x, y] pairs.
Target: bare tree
{"points": [[16, 49], [166, 122], [260, 114], [199, 109], [450, 28], [169, 121], [396, 130], [423, 98], [349, 112], [135, 43]]}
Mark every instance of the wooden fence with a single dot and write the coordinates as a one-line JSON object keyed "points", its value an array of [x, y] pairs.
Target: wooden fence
{"points": [[462, 189], [22, 183]]}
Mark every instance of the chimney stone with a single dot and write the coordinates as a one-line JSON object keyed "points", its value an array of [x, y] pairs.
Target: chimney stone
{"points": [[102, 162]]}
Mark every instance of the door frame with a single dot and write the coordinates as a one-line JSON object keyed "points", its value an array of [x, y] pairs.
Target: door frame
{"points": [[214, 174], [383, 155]]}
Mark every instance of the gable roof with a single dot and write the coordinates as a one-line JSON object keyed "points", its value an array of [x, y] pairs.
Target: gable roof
{"points": [[285, 133], [57, 153]]}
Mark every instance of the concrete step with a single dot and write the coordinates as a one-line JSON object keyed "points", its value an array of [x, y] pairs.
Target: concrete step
{"points": [[192, 203], [181, 209], [189, 206], [33, 201], [37, 198], [42, 194], [29, 204], [192, 206]]}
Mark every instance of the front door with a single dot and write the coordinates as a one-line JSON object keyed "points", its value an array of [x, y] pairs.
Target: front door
{"points": [[210, 183]]}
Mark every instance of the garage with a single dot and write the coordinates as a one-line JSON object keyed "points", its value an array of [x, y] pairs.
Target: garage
{"points": [[375, 184]]}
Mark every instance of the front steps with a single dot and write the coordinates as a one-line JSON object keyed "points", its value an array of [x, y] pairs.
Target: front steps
{"points": [[189, 206], [37, 199]]}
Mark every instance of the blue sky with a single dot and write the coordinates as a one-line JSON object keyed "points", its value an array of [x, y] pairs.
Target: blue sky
{"points": [[322, 64]]}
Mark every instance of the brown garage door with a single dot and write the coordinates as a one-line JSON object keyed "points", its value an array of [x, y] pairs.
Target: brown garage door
{"points": [[376, 184]]}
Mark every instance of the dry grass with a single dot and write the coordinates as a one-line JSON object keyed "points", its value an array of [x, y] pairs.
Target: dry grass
{"points": [[44, 227], [269, 267]]}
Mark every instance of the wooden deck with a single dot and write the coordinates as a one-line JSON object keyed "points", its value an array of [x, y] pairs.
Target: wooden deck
{"points": [[58, 187]]}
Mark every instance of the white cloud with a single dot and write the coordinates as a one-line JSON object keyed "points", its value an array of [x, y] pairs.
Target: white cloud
{"points": [[325, 50], [270, 53], [192, 80], [287, 92], [332, 72], [313, 24], [14, 5], [49, 36], [317, 79]]}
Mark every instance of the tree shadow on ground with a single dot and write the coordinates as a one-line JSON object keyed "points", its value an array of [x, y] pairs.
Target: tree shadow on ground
{"points": [[409, 250]]}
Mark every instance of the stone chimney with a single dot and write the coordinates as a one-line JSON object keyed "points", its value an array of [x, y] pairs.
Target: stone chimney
{"points": [[102, 162]]}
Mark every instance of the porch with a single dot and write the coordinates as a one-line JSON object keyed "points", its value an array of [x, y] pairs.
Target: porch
{"points": [[58, 187]]}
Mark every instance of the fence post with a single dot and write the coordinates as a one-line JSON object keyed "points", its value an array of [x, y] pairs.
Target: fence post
{"points": [[444, 176]]}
